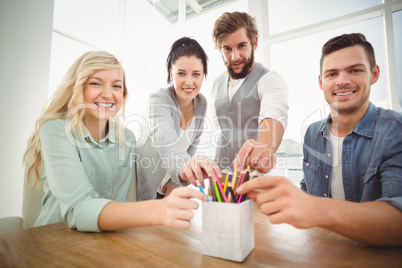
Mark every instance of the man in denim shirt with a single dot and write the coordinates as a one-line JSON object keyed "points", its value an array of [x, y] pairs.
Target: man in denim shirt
{"points": [[354, 157]]}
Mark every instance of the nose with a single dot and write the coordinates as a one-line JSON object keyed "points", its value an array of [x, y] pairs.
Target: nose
{"points": [[189, 80], [235, 54], [107, 92], [343, 79]]}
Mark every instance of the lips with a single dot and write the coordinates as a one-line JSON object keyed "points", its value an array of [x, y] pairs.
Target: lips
{"points": [[344, 93], [104, 105], [188, 90]]}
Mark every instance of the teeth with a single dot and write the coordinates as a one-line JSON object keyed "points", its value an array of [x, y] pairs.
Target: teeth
{"points": [[188, 90], [344, 94], [105, 105]]}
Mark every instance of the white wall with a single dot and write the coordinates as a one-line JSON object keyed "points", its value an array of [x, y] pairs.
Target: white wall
{"points": [[25, 34]]}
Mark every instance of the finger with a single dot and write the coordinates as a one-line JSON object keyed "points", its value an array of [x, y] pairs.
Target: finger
{"points": [[242, 157], [258, 183], [199, 175], [212, 168], [178, 224], [190, 176], [268, 209], [183, 214], [267, 162], [209, 171], [253, 194], [186, 192]]}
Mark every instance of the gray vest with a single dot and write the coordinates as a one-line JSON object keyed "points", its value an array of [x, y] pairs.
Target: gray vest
{"points": [[238, 119]]}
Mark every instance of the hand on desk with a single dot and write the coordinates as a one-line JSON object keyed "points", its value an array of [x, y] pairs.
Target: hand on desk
{"points": [[282, 201], [255, 154], [176, 210], [198, 169]]}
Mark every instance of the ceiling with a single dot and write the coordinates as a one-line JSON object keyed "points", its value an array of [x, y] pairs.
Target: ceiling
{"points": [[170, 8]]}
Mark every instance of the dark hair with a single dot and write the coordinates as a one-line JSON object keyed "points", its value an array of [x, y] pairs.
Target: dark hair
{"points": [[348, 40], [229, 22], [186, 46]]}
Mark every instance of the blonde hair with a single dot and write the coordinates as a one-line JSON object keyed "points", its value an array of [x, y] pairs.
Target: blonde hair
{"points": [[64, 102]]}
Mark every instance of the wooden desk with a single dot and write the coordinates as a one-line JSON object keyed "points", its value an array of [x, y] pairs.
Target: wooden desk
{"points": [[275, 245]]}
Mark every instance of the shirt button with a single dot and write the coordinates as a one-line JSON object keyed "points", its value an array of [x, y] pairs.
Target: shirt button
{"points": [[307, 164], [325, 195], [329, 155], [326, 176]]}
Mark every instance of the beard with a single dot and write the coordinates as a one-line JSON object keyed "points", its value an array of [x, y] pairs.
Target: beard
{"points": [[248, 64], [340, 109]]}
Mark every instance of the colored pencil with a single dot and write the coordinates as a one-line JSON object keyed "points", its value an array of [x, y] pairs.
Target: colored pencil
{"points": [[218, 196], [202, 191], [221, 190]]}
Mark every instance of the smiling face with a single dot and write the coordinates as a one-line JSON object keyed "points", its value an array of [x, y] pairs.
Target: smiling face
{"points": [[238, 53], [103, 95], [346, 79], [187, 75]]}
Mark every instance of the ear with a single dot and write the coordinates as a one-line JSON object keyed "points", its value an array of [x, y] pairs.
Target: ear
{"points": [[255, 43], [320, 81], [375, 74], [171, 75]]}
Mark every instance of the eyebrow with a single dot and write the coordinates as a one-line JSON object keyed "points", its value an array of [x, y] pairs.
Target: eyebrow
{"points": [[348, 67], [100, 79], [241, 43], [182, 70]]}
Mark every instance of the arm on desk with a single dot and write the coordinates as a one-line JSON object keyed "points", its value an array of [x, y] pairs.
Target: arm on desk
{"points": [[260, 154], [376, 223], [174, 211]]}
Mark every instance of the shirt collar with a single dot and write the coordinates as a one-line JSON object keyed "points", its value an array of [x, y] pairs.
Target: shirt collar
{"points": [[110, 136], [365, 127]]}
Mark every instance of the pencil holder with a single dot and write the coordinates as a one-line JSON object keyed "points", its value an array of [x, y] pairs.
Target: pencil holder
{"points": [[227, 230]]}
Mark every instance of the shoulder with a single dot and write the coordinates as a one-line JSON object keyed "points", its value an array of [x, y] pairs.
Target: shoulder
{"points": [[273, 78], [200, 104], [201, 99], [220, 78], [386, 115], [162, 96], [54, 125]]}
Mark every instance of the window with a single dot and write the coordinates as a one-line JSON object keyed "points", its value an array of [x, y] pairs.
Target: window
{"points": [[308, 12], [294, 48], [397, 24]]}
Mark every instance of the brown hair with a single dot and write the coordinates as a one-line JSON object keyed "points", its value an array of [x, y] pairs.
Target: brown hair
{"points": [[230, 22], [348, 40]]}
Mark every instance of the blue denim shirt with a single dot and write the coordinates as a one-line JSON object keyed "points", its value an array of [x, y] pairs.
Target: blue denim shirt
{"points": [[371, 158]]}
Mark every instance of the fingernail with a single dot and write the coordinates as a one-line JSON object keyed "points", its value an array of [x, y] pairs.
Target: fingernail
{"points": [[239, 189]]}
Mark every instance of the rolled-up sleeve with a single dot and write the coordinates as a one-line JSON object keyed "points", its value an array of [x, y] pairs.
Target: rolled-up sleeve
{"points": [[391, 172], [273, 93]]}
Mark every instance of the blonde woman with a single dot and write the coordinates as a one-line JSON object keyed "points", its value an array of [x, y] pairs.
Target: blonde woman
{"points": [[83, 156]]}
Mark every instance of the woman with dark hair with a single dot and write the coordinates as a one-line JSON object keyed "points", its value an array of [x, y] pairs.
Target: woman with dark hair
{"points": [[176, 120]]}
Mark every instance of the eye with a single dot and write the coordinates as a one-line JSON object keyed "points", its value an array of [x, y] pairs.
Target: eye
{"points": [[180, 74], [330, 75], [197, 74], [242, 46], [355, 71], [227, 49], [94, 84], [117, 86]]}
